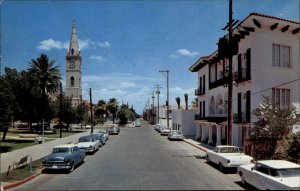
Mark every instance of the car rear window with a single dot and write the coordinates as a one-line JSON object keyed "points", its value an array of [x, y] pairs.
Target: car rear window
{"points": [[61, 150], [289, 172]]}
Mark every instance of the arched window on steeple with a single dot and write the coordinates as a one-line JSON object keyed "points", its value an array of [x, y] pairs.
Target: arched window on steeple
{"points": [[72, 81], [72, 51]]}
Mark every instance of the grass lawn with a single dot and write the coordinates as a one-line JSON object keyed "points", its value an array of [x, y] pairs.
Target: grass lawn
{"points": [[21, 172], [11, 144]]}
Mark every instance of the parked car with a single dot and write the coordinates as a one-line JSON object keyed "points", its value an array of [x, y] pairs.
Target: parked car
{"points": [[271, 175], [227, 156], [175, 135], [105, 134], [164, 131], [100, 137], [137, 123], [64, 157], [158, 127], [113, 130], [88, 143]]}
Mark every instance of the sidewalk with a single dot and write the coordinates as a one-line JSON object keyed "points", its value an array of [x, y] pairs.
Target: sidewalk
{"points": [[202, 146], [35, 152]]}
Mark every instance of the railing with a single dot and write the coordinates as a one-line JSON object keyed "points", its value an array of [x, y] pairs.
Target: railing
{"points": [[240, 118], [243, 75], [199, 116], [199, 91]]}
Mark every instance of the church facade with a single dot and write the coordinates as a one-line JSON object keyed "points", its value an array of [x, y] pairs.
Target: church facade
{"points": [[73, 69]]}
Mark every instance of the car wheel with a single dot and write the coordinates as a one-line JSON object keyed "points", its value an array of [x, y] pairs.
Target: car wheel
{"points": [[72, 167], [221, 167], [207, 159]]}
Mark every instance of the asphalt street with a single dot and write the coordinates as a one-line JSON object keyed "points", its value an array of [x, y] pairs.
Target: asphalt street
{"points": [[140, 159]]}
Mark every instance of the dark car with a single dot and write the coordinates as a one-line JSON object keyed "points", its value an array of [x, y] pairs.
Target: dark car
{"points": [[64, 157], [63, 126], [113, 130]]}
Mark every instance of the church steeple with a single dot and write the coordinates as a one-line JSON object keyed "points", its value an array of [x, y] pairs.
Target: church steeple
{"points": [[73, 69], [74, 48]]}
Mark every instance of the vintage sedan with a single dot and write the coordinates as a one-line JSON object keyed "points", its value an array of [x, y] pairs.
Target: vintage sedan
{"points": [[271, 175], [227, 156], [64, 157], [113, 130], [164, 131], [175, 135], [100, 137], [105, 134], [88, 143]]}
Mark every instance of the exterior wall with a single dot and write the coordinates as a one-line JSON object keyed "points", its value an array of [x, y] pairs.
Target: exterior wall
{"points": [[185, 118]]}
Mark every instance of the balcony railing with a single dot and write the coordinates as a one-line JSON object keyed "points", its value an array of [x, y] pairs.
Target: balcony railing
{"points": [[242, 76], [240, 118], [199, 91]]}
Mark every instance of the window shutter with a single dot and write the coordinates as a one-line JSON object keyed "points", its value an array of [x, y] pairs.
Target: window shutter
{"points": [[248, 106], [203, 109], [248, 73], [239, 107], [239, 66], [203, 84]]}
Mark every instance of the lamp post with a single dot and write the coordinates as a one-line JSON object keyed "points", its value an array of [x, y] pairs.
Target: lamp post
{"points": [[167, 76], [157, 92]]}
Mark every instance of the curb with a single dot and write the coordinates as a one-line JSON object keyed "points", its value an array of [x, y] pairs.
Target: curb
{"points": [[196, 145], [15, 184]]}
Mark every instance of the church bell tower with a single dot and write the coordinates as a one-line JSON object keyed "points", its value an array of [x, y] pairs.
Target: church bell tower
{"points": [[73, 69]]}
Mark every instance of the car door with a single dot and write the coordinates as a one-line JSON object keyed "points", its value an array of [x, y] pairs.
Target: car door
{"points": [[261, 176], [76, 154]]}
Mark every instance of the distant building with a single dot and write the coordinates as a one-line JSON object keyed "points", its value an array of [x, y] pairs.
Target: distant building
{"points": [[73, 69], [267, 63]]}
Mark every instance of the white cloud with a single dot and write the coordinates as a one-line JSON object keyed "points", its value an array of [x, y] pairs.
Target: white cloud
{"points": [[184, 52], [98, 58], [50, 44], [104, 44]]}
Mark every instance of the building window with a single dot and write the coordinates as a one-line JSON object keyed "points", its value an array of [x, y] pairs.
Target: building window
{"points": [[72, 81], [281, 97], [281, 56]]}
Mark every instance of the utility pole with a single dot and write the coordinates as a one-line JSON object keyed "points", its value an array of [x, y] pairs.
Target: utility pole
{"points": [[229, 128], [157, 93], [91, 107], [60, 111], [167, 103], [152, 117]]}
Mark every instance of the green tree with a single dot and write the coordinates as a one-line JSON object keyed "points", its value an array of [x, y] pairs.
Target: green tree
{"points": [[112, 106], [292, 149], [272, 128], [6, 99], [48, 77]]}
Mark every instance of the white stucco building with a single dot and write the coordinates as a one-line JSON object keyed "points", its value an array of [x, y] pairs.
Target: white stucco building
{"points": [[183, 120], [267, 63]]}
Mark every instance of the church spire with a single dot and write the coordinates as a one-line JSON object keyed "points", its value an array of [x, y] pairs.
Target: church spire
{"points": [[74, 48]]}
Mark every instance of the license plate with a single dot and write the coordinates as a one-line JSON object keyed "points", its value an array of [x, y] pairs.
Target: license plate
{"points": [[54, 166]]}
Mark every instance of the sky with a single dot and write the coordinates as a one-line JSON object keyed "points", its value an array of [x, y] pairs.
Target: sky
{"points": [[125, 43]]}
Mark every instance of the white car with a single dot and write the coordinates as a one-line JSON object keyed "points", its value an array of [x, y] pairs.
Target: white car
{"points": [[227, 156], [88, 143], [165, 131], [271, 175]]}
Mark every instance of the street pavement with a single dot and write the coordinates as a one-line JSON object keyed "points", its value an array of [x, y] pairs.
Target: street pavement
{"points": [[140, 159]]}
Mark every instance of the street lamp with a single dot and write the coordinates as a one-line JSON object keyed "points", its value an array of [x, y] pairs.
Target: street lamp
{"points": [[167, 76]]}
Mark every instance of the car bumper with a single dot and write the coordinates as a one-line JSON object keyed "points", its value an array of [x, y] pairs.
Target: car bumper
{"points": [[87, 150], [57, 166]]}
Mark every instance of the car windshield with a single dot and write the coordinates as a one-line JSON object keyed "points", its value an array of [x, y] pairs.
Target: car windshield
{"points": [[61, 150], [85, 139], [287, 172]]}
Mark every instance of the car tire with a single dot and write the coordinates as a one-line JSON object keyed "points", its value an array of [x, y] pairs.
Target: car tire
{"points": [[207, 160], [72, 166], [243, 180], [221, 167]]}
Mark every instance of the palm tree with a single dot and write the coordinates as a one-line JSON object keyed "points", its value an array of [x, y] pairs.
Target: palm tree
{"points": [[101, 108], [178, 102], [186, 98], [112, 107], [47, 74], [195, 102]]}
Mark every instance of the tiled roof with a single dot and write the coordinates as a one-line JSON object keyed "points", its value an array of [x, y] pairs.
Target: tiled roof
{"points": [[272, 17]]}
